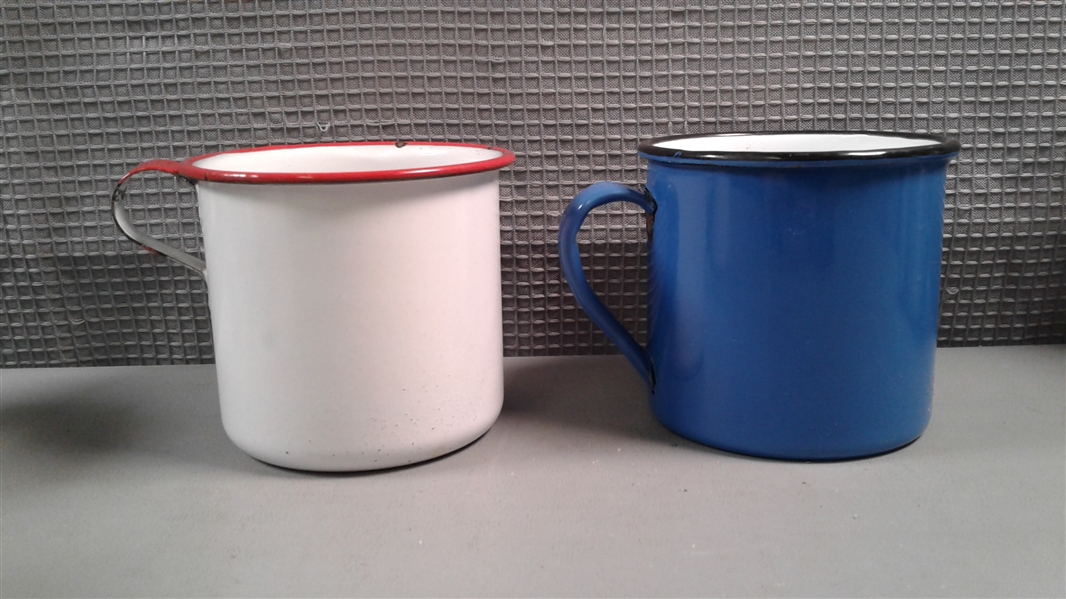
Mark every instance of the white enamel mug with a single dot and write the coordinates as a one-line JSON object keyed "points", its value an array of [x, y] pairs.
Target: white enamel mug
{"points": [[355, 297]]}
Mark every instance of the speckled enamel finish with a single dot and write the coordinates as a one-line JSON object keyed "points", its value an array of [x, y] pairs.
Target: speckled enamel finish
{"points": [[357, 325]]}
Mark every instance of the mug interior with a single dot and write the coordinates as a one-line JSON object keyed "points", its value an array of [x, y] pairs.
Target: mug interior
{"points": [[798, 146], [348, 158], [791, 143]]}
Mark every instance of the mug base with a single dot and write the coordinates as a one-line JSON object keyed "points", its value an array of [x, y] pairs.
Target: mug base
{"points": [[800, 454], [339, 463], [323, 466], [340, 460]]}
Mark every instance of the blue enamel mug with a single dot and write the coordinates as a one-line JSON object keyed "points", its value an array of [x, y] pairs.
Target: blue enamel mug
{"points": [[793, 287]]}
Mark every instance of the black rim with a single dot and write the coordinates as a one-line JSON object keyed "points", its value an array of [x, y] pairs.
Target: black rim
{"points": [[942, 146]]}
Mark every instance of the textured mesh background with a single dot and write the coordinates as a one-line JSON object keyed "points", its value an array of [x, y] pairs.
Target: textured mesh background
{"points": [[89, 89]]}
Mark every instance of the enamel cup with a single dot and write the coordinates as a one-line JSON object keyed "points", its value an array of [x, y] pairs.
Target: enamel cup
{"points": [[355, 297], [793, 285]]}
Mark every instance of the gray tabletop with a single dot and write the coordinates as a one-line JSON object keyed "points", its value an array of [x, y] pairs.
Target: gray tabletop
{"points": [[121, 482]]}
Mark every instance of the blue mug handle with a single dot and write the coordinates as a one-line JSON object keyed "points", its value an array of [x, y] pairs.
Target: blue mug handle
{"points": [[593, 197]]}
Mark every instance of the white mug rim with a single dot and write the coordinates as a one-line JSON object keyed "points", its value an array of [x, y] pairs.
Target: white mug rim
{"points": [[193, 169]]}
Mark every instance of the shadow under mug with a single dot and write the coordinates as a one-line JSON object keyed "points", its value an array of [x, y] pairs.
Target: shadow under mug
{"points": [[355, 297], [793, 287]]}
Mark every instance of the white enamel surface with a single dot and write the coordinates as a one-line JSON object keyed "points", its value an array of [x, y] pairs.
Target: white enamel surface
{"points": [[346, 158], [794, 142], [356, 326]]}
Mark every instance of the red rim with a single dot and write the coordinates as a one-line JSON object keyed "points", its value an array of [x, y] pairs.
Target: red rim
{"points": [[189, 170]]}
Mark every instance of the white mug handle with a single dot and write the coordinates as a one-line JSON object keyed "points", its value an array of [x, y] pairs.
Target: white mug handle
{"points": [[122, 218]]}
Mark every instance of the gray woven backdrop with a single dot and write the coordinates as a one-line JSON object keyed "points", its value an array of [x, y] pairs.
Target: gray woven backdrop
{"points": [[89, 89]]}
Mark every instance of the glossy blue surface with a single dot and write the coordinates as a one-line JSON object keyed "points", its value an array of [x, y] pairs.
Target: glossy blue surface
{"points": [[793, 305]]}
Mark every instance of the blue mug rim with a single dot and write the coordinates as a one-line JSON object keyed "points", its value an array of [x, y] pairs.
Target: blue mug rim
{"points": [[941, 146]]}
